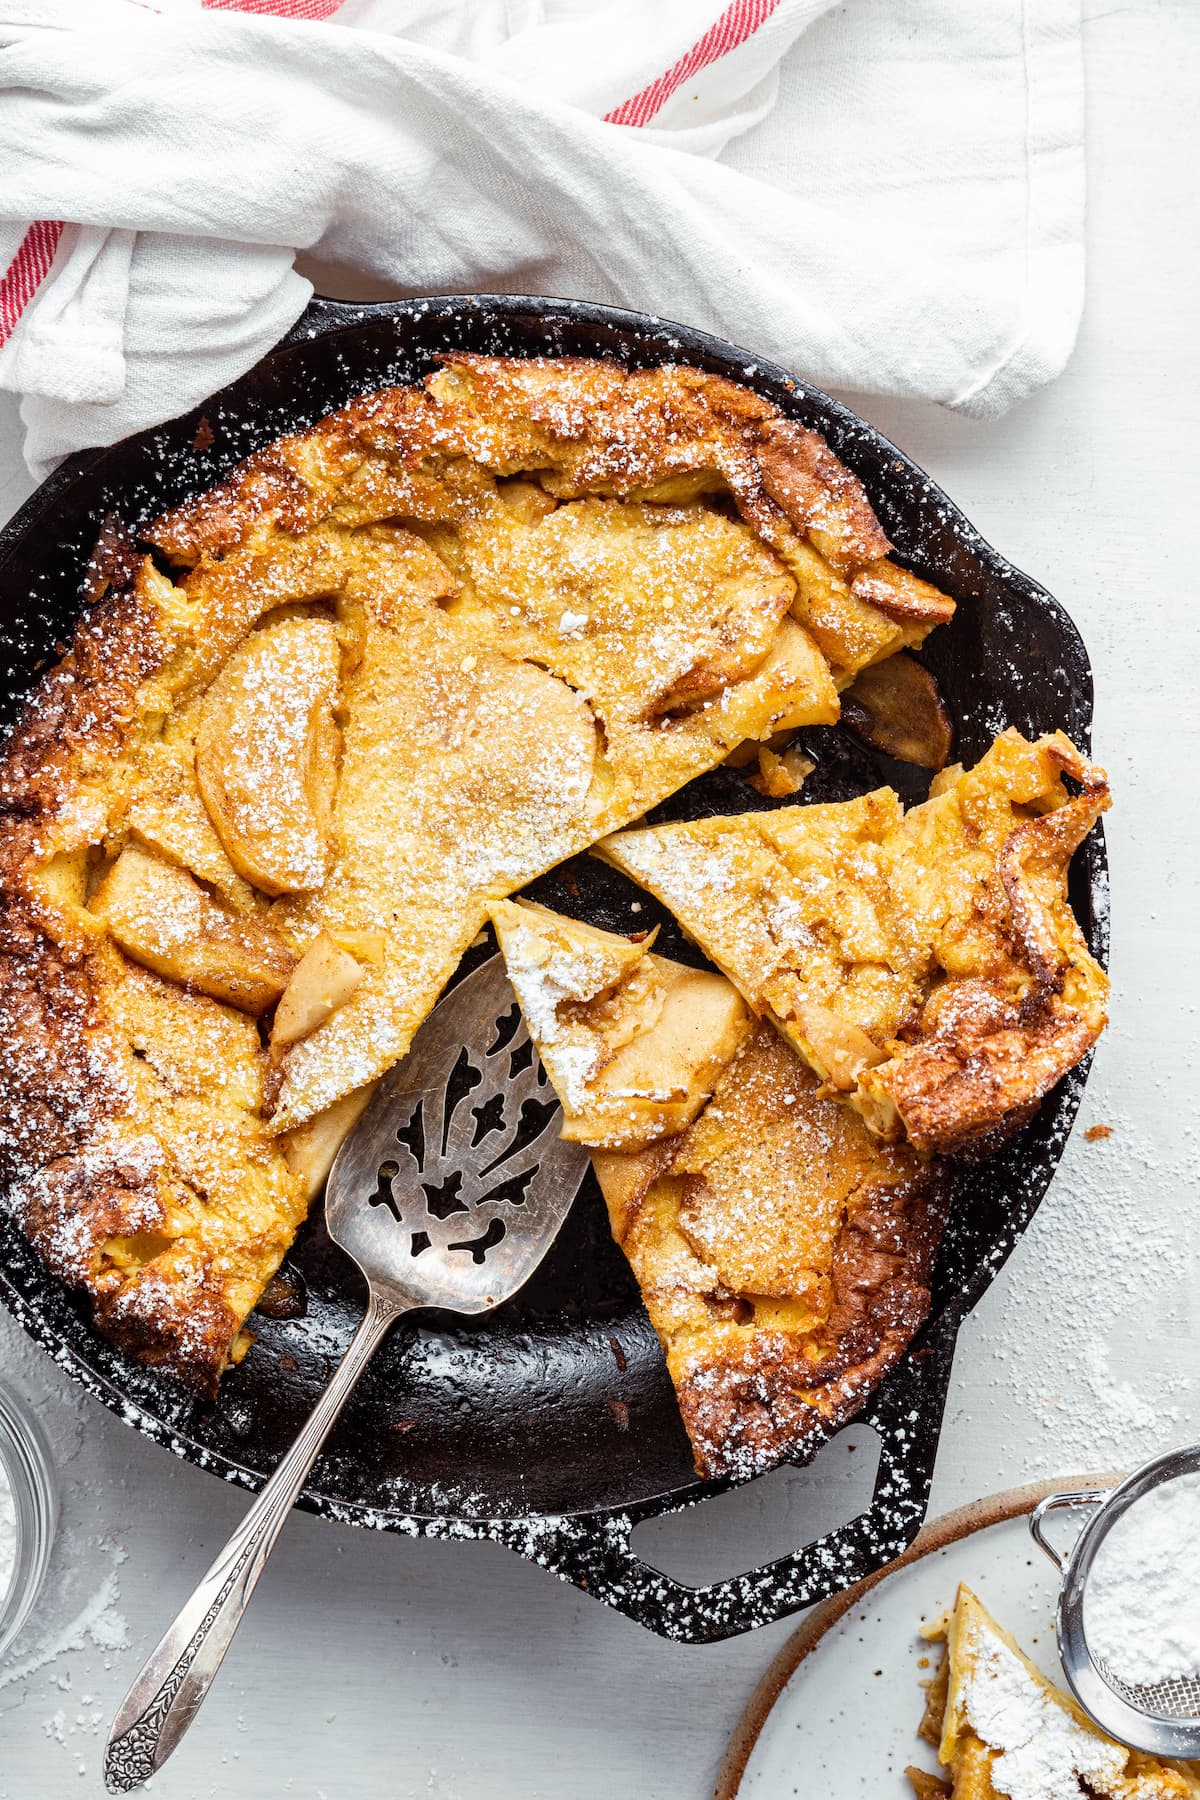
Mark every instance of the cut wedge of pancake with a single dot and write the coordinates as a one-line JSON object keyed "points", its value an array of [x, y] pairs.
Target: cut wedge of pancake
{"points": [[470, 759], [632, 1043], [1004, 1732], [782, 1251], [927, 965]]}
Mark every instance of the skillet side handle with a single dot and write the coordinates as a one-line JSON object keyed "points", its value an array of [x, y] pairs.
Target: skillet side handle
{"points": [[596, 1552]]}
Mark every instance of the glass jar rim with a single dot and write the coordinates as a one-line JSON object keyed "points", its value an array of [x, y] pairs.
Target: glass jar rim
{"points": [[27, 1469]]}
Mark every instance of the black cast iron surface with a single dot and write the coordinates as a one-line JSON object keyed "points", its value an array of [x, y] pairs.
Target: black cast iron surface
{"points": [[550, 1425]]}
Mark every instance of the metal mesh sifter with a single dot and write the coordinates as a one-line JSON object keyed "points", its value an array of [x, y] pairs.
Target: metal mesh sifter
{"points": [[1163, 1717]]}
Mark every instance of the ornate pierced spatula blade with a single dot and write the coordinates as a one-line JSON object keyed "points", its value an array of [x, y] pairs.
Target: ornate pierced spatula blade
{"points": [[454, 1183]]}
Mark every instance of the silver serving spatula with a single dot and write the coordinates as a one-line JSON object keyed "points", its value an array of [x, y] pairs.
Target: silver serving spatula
{"points": [[448, 1192]]}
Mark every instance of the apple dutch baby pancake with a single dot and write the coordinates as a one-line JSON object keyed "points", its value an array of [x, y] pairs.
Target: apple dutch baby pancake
{"points": [[388, 672]]}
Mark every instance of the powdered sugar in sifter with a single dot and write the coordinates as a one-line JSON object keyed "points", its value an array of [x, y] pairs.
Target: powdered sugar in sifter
{"points": [[1129, 1606]]}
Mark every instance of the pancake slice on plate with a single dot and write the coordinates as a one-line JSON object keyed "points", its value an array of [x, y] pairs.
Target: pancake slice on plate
{"points": [[1006, 1733]]}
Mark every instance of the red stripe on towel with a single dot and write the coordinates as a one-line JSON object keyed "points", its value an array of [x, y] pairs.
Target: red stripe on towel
{"points": [[278, 9], [26, 272], [740, 20], [29, 267]]}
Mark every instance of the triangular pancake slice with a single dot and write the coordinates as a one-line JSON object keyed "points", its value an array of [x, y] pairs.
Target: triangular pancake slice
{"points": [[1007, 1732], [782, 1251], [632, 1043], [927, 965]]}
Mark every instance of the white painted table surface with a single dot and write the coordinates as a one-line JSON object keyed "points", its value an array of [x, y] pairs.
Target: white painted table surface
{"points": [[375, 1668]]}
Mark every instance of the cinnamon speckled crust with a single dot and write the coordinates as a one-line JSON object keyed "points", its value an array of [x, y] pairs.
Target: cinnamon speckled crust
{"points": [[60, 1083], [595, 427], [82, 1160], [84, 712], [177, 1321], [784, 1255], [56, 1079], [782, 1397], [138, 1142]]}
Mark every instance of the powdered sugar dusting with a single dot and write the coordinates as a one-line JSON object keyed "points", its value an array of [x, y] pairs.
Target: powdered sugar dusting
{"points": [[545, 975], [1097, 1259], [1045, 1753], [261, 747], [1140, 1614]]}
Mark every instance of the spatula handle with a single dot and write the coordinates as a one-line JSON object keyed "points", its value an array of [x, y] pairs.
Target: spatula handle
{"points": [[167, 1694]]}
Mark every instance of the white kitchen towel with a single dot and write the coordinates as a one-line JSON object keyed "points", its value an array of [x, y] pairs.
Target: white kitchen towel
{"points": [[885, 195]]}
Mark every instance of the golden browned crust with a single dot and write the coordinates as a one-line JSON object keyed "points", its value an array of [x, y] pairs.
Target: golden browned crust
{"points": [[53, 1075], [74, 1207], [926, 1786], [989, 1049], [597, 428], [81, 715], [901, 595], [782, 1397], [87, 1165], [927, 964], [584, 427], [988, 1061], [816, 492], [1039, 852], [55, 1079], [76, 1176], [784, 1256]]}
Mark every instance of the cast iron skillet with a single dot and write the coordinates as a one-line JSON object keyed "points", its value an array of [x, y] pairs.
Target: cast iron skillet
{"points": [[550, 1426]]}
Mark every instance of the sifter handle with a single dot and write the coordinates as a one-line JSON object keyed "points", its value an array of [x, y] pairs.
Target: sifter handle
{"points": [[1052, 1503]]}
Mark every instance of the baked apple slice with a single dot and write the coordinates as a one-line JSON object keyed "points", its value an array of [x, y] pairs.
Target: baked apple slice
{"points": [[323, 979], [309, 1149], [267, 753], [632, 1043], [897, 707], [165, 920]]}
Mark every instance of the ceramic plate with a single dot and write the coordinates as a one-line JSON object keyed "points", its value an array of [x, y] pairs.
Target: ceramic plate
{"points": [[836, 1713]]}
